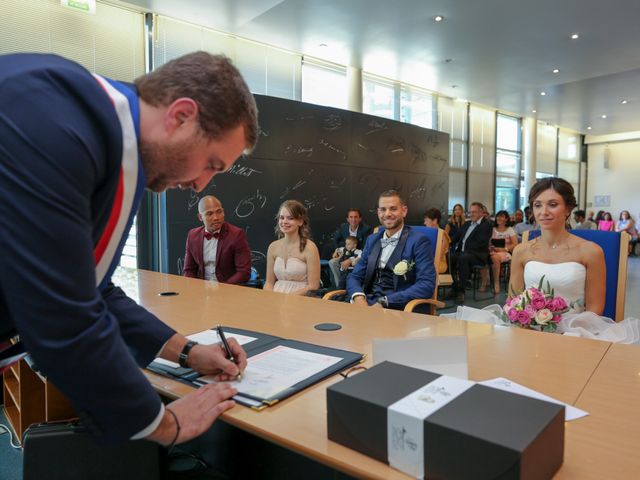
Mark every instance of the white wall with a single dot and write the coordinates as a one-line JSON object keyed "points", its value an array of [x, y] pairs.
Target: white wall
{"points": [[621, 180]]}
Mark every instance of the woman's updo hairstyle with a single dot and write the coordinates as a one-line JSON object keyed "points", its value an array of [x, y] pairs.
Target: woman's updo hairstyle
{"points": [[560, 185]]}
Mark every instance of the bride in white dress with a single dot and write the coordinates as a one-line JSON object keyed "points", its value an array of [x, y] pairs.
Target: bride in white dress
{"points": [[574, 267]]}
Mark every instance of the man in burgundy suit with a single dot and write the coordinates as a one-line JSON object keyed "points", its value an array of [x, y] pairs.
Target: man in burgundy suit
{"points": [[217, 250]]}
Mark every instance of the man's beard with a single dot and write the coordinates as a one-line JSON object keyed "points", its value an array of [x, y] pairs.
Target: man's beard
{"points": [[163, 164]]}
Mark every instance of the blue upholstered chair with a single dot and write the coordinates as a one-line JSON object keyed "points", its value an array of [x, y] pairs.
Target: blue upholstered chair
{"points": [[616, 250], [435, 237], [254, 280]]}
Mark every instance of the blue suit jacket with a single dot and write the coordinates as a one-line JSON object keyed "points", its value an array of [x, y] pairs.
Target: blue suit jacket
{"points": [[342, 233], [60, 158], [420, 280]]}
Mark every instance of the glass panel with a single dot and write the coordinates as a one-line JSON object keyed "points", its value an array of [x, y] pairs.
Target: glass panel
{"points": [[377, 99], [507, 162], [457, 180], [324, 86], [416, 107], [508, 133], [506, 199]]}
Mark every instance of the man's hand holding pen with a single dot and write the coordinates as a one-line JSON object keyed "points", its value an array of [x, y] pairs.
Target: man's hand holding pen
{"points": [[214, 360]]}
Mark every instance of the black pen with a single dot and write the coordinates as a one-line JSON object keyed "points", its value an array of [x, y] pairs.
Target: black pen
{"points": [[227, 349]]}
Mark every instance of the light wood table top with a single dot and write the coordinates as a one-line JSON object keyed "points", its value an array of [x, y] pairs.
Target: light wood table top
{"points": [[552, 364]]}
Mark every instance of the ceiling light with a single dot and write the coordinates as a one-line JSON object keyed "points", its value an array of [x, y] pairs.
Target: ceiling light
{"points": [[603, 116], [534, 111], [624, 102], [588, 128], [575, 36], [556, 70], [543, 93], [438, 18]]}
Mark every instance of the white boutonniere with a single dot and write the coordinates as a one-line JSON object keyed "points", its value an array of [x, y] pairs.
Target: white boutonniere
{"points": [[403, 267]]}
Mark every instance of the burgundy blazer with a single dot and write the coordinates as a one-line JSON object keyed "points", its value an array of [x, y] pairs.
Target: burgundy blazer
{"points": [[233, 258]]}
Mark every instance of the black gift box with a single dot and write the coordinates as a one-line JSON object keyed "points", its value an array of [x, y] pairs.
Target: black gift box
{"points": [[483, 433]]}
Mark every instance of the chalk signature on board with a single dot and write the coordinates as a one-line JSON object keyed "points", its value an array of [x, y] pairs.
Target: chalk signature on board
{"points": [[249, 204], [333, 148]]}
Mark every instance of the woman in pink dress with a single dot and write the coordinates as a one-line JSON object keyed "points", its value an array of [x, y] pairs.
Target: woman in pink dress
{"points": [[606, 223], [293, 261]]}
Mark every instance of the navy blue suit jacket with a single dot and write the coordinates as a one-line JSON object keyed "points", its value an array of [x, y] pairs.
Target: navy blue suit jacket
{"points": [[342, 233], [60, 158], [420, 280]]}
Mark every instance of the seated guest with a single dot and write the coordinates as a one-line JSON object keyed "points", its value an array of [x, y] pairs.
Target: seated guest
{"points": [[518, 217], [528, 224], [503, 241], [626, 224], [347, 257], [432, 218], [293, 261], [471, 247], [218, 250], [396, 265], [581, 222], [456, 221], [352, 228], [606, 224]]}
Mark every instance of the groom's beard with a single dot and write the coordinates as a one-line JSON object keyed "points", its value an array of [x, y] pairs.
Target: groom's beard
{"points": [[392, 224]]}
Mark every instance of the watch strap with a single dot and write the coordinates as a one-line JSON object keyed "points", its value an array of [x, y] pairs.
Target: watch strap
{"points": [[184, 354]]}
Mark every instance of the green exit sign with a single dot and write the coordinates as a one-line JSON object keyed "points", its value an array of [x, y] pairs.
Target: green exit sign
{"points": [[87, 6]]}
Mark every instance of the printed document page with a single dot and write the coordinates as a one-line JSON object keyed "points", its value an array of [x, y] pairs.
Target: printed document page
{"points": [[278, 369]]}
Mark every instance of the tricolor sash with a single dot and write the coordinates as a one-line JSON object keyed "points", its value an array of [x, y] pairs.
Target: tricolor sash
{"points": [[130, 183]]}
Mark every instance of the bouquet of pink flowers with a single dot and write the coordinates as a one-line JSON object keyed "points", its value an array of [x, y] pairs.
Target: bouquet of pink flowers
{"points": [[535, 307]]}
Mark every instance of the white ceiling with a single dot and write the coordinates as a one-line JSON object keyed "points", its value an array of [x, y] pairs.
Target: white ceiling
{"points": [[502, 51]]}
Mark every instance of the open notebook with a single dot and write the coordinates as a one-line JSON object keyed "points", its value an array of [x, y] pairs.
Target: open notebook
{"points": [[277, 368]]}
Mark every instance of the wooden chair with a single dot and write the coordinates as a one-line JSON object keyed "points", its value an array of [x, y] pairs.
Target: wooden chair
{"points": [[435, 237], [616, 250]]}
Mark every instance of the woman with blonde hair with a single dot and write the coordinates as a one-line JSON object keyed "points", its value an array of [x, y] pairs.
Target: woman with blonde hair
{"points": [[293, 261]]}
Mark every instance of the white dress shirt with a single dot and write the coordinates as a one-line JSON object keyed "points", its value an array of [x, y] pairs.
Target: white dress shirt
{"points": [[209, 251]]}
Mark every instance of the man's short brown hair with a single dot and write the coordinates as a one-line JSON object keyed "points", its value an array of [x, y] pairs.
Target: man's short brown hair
{"points": [[223, 97], [392, 193]]}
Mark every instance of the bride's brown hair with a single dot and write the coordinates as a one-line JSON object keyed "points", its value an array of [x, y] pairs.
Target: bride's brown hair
{"points": [[557, 184]]}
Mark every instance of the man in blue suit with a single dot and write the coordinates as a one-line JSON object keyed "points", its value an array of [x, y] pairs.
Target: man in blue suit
{"points": [[353, 227], [396, 265]]}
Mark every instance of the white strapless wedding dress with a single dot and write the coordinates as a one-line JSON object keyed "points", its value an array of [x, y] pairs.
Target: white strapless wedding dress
{"points": [[568, 281]]}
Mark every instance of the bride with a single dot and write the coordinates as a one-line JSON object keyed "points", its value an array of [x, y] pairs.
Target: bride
{"points": [[574, 267]]}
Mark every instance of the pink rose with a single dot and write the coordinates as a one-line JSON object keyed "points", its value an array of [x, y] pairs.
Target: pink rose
{"points": [[512, 314], [530, 311], [556, 318], [558, 304], [523, 317], [535, 293], [538, 302]]}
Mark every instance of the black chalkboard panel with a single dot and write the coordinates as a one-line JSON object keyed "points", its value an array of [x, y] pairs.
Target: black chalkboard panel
{"points": [[329, 159]]}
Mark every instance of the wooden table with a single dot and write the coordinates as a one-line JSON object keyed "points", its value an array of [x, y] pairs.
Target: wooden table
{"points": [[567, 368]]}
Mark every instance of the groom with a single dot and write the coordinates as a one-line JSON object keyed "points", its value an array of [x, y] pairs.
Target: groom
{"points": [[396, 265]]}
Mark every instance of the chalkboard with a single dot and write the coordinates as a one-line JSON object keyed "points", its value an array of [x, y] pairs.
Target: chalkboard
{"points": [[329, 159]]}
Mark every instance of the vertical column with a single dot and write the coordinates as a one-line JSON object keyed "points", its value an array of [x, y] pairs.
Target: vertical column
{"points": [[529, 152], [354, 89]]}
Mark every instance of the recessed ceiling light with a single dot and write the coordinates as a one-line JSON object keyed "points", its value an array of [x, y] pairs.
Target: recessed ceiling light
{"points": [[575, 36], [438, 18], [543, 93], [556, 70], [624, 102], [534, 111], [588, 128], [603, 116]]}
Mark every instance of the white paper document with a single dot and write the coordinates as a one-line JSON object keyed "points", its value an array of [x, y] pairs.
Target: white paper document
{"points": [[570, 412], [278, 369], [443, 355], [207, 337]]}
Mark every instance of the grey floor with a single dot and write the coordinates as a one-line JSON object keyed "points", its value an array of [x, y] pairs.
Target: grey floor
{"points": [[11, 459]]}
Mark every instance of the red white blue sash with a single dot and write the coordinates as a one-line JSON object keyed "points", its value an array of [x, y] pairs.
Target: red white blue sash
{"points": [[130, 183]]}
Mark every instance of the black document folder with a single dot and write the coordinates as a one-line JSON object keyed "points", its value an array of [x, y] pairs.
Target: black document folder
{"points": [[264, 343], [498, 242]]}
